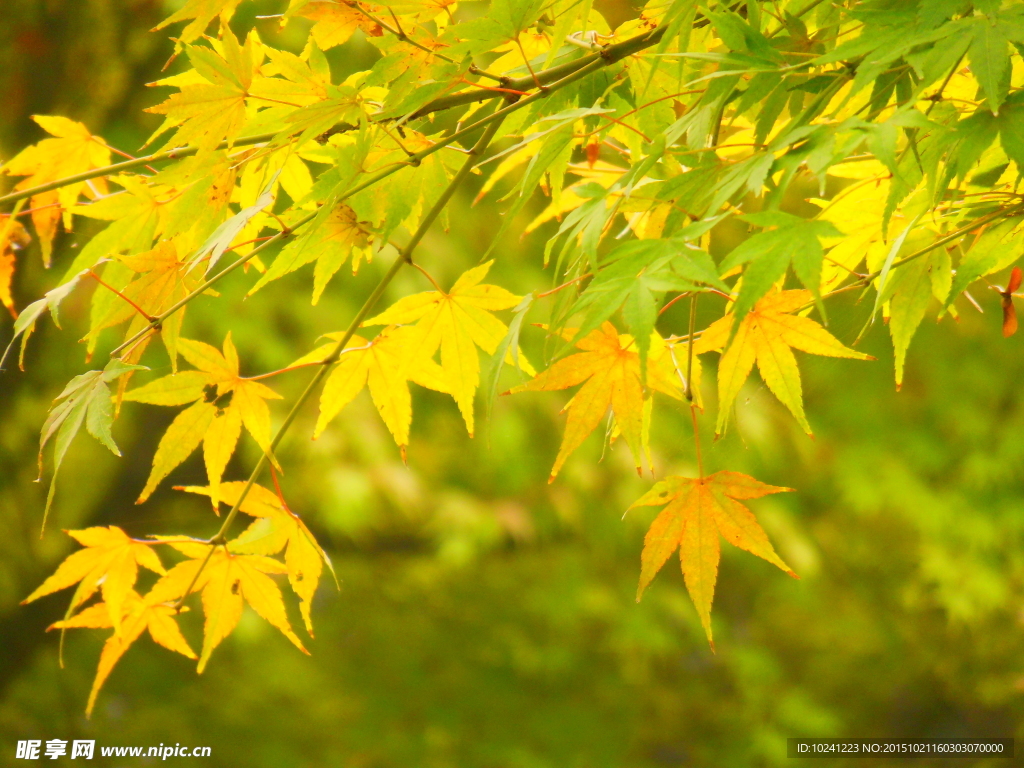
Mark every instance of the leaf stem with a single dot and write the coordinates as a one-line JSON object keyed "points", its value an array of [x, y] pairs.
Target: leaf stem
{"points": [[564, 285], [696, 439], [109, 287], [689, 349], [279, 371]]}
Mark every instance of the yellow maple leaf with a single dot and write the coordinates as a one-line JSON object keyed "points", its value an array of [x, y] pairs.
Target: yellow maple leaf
{"points": [[276, 528], [610, 366], [110, 563], [385, 366], [212, 108], [768, 334], [334, 23], [329, 245], [202, 12], [228, 580], [457, 322], [697, 512], [222, 402], [137, 614], [72, 151]]}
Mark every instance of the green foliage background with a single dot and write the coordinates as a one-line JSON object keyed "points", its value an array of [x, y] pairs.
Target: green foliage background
{"points": [[486, 618]]}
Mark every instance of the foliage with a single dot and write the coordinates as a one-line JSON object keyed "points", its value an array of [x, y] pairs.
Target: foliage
{"points": [[873, 145]]}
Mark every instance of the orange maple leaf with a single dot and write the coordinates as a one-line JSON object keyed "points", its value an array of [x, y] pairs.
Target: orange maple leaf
{"points": [[697, 512], [12, 237], [610, 366]]}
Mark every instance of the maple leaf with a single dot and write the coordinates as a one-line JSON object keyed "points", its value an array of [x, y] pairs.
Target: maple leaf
{"points": [[276, 528], [26, 322], [228, 580], [457, 322], [202, 12], [385, 366], [610, 366], [135, 215], [790, 240], [697, 512], [12, 237], [222, 402], [329, 245], [108, 563], [210, 108], [136, 615], [768, 334], [334, 23], [85, 400], [304, 81], [73, 150]]}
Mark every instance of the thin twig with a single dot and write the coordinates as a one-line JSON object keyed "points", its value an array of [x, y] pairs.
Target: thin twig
{"points": [[563, 285]]}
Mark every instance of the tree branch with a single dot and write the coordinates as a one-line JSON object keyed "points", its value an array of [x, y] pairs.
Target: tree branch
{"points": [[417, 157]]}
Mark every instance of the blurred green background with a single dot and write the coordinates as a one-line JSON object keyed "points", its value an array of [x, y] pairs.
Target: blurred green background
{"points": [[486, 618]]}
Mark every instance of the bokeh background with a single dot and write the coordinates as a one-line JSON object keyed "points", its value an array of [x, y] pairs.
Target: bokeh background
{"points": [[486, 618]]}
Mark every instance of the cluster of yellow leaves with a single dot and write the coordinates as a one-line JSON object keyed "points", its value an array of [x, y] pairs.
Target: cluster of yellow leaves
{"points": [[228, 577], [221, 402], [276, 528], [698, 510], [456, 322], [71, 151]]}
